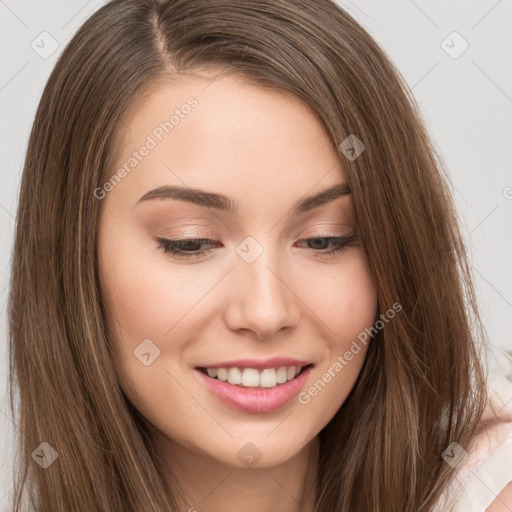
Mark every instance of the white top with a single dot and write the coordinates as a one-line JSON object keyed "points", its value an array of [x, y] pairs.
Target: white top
{"points": [[487, 470]]}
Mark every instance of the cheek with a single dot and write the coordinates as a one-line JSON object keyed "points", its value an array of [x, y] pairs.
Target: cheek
{"points": [[343, 298], [147, 297], [357, 311], [346, 302]]}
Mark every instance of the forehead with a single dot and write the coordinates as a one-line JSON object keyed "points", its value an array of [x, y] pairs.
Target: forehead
{"points": [[224, 133]]}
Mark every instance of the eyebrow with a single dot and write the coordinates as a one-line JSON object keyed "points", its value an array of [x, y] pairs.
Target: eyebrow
{"points": [[226, 204]]}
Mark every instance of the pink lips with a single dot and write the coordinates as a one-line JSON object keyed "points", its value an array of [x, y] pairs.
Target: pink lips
{"points": [[257, 400]]}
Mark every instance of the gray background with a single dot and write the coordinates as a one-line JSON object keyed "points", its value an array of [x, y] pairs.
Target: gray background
{"points": [[466, 103]]}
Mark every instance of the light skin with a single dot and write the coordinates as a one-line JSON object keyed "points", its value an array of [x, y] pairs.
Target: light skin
{"points": [[266, 151], [503, 502]]}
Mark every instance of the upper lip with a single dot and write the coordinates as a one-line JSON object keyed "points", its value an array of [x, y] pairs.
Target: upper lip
{"points": [[273, 362]]}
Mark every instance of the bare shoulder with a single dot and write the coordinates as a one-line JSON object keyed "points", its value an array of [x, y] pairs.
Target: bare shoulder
{"points": [[484, 480], [503, 502]]}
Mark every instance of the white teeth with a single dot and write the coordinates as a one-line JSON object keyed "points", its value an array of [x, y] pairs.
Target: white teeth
{"points": [[268, 378], [251, 377], [282, 374], [234, 376], [222, 374]]}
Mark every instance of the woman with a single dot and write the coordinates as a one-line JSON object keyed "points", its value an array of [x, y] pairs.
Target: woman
{"points": [[246, 286]]}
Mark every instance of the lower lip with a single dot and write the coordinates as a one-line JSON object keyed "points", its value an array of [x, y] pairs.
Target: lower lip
{"points": [[256, 400]]}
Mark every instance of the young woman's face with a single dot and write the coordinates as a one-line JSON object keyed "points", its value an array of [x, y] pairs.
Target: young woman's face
{"points": [[255, 293]]}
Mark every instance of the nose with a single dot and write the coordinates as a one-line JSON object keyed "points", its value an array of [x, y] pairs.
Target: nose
{"points": [[262, 299]]}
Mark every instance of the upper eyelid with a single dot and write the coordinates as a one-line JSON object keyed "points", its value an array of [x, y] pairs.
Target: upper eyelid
{"points": [[353, 233], [203, 229]]}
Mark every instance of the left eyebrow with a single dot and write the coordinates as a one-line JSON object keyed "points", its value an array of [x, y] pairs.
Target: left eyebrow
{"points": [[223, 203]]}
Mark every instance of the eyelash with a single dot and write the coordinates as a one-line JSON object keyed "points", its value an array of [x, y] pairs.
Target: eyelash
{"points": [[175, 247]]}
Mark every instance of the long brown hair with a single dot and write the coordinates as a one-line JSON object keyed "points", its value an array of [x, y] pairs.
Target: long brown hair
{"points": [[422, 385]]}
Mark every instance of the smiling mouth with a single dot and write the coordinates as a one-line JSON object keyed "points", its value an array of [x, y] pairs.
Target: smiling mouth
{"points": [[253, 378]]}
